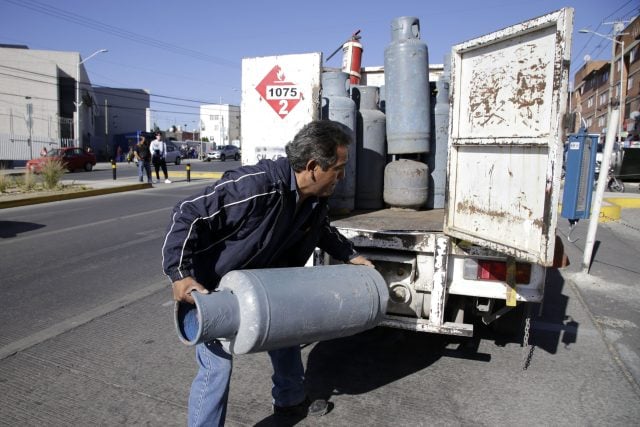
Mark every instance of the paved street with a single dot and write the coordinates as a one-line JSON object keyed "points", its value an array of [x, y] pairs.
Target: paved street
{"points": [[87, 336]]}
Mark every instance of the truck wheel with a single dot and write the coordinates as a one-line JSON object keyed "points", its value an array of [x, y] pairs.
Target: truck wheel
{"points": [[236, 157], [88, 167], [222, 157]]}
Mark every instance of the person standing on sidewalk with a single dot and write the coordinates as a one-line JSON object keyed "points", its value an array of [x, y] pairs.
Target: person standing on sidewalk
{"points": [[272, 214], [158, 154], [143, 158]]}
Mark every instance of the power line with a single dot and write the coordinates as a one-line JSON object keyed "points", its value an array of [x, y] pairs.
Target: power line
{"points": [[118, 32], [592, 36], [105, 93]]}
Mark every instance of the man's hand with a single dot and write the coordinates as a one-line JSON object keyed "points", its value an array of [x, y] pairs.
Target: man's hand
{"points": [[182, 289], [360, 260]]}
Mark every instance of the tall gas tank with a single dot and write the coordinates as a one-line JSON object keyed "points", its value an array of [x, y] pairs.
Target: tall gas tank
{"points": [[438, 156], [371, 148], [406, 79], [406, 183], [339, 107]]}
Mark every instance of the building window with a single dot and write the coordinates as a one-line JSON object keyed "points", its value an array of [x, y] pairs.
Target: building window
{"points": [[601, 121], [632, 54], [590, 101], [605, 76], [618, 65], [589, 122], [629, 83], [603, 99]]}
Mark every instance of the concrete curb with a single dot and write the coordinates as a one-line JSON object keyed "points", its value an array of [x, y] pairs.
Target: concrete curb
{"points": [[24, 201]]}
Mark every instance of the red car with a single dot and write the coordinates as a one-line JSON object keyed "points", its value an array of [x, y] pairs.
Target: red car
{"points": [[71, 157]]}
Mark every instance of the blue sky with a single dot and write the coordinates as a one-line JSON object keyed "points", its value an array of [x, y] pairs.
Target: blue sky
{"points": [[189, 52]]}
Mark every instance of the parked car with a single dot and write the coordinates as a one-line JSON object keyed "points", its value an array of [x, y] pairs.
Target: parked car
{"points": [[173, 154], [224, 152], [71, 157]]}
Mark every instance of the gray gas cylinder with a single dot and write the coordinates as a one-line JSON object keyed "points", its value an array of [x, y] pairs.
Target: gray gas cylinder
{"points": [[406, 183], [406, 79], [439, 154], [339, 107], [382, 101], [371, 148], [265, 309]]}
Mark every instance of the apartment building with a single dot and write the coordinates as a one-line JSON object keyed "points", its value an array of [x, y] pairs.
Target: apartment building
{"points": [[597, 85]]}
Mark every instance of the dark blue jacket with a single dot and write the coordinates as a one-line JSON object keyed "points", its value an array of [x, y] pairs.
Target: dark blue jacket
{"points": [[245, 220]]}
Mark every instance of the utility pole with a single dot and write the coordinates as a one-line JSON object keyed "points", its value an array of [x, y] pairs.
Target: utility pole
{"points": [[78, 102], [29, 125], [106, 129]]}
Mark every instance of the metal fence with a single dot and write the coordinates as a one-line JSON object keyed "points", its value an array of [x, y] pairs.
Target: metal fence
{"points": [[18, 147]]}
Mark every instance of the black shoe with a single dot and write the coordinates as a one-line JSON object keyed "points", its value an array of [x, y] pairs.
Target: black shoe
{"points": [[317, 408]]}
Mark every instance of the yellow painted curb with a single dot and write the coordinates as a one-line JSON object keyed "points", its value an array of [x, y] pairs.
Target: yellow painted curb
{"points": [[196, 175], [625, 202], [609, 212]]}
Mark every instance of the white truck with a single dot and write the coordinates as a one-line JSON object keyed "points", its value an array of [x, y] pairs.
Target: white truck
{"points": [[487, 251]]}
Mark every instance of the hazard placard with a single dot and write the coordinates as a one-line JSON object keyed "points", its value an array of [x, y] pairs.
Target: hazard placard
{"points": [[282, 95]]}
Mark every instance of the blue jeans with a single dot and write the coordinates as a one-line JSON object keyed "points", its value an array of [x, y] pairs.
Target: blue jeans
{"points": [[210, 387], [146, 166]]}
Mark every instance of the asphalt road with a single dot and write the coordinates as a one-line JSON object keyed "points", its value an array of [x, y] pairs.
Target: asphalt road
{"points": [[87, 338]]}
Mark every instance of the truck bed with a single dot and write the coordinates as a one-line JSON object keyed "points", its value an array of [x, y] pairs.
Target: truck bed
{"points": [[393, 220]]}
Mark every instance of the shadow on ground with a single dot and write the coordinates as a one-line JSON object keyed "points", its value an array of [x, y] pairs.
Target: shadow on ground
{"points": [[13, 228]]}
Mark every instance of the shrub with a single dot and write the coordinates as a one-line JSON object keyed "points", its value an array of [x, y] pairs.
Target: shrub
{"points": [[5, 182], [52, 171], [28, 181]]}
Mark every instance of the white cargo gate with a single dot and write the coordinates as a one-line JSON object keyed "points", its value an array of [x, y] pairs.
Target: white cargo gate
{"points": [[280, 94], [509, 92]]}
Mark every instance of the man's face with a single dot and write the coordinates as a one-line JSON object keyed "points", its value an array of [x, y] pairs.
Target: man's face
{"points": [[325, 181]]}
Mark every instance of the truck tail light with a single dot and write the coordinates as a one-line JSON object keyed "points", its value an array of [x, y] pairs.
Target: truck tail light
{"points": [[479, 269]]}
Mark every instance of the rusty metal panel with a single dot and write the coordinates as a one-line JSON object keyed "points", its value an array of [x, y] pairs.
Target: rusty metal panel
{"points": [[509, 92]]}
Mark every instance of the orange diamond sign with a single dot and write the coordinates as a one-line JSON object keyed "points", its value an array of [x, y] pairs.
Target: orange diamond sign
{"points": [[280, 94]]}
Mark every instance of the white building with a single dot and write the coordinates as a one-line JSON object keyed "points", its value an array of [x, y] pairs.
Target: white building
{"points": [[220, 123], [37, 104]]}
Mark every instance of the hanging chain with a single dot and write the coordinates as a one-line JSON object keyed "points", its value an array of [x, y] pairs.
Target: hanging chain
{"points": [[528, 347]]}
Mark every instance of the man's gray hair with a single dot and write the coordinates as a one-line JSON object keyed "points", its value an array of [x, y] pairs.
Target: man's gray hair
{"points": [[319, 141]]}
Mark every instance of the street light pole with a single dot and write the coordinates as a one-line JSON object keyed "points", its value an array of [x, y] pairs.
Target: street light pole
{"points": [[76, 136]]}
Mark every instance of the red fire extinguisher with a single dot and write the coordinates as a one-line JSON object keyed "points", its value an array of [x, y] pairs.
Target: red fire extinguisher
{"points": [[352, 58]]}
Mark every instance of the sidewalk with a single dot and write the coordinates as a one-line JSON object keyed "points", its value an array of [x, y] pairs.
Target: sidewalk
{"points": [[610, 289]]}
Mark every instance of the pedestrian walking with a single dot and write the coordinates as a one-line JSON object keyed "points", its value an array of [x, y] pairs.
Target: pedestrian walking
{"points": [[143, 158], [272, 214], [158, 153]]}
